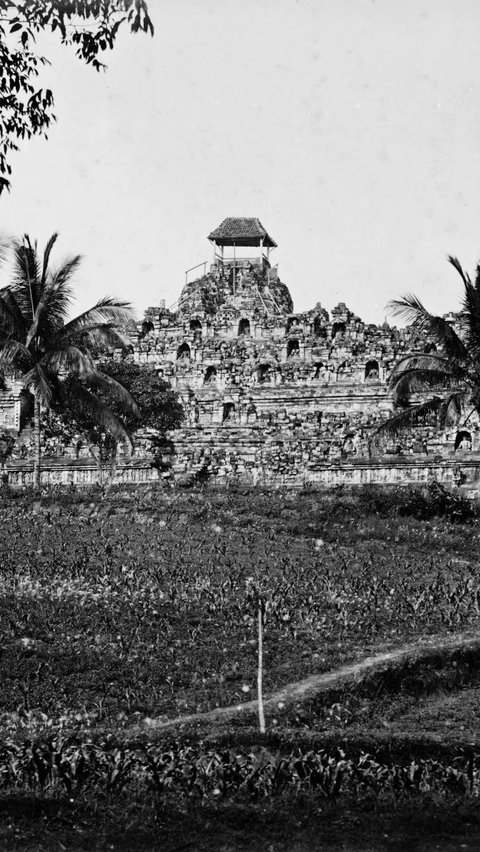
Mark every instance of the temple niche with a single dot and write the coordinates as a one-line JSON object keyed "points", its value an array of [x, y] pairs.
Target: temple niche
{"points": [[272, 389], [270, 395]]}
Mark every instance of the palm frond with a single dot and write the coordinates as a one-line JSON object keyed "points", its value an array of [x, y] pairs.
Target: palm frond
{"points": [[454, 373], [107, 311], [412, 416], [12, 321], [411, 309], [89, 404], [475, 398], [96, 336], [444, 334], [14, 355], [428, 370], [470, 313], [69, 359], [59, 281], [26, 276], [46, 256], [418, 382], [422, 361], [477, 278], [5, 248], [458, 266], [40, 383], [452, 408], [104, 382], [54, 301]]}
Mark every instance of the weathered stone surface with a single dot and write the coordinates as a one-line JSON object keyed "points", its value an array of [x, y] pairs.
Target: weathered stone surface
{"points": [[270, 395], [279, 397]]}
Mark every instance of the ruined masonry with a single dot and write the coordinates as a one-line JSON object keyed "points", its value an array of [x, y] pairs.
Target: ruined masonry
{"points": [[279, 397]]}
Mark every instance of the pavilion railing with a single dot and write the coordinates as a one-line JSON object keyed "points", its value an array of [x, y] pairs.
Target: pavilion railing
{"points": [[187, 271], [238, 262]]}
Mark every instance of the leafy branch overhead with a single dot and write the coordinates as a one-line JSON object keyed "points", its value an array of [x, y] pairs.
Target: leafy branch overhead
{"points": [[89, 26]]}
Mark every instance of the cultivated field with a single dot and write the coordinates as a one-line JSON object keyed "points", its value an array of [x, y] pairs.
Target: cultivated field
{"points": [[122, 612]]}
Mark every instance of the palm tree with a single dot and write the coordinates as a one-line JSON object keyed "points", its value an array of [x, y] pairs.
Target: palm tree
{"points": [[42, 347], [450, 376]]}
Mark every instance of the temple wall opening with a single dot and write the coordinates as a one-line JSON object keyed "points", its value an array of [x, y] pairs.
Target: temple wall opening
{"points": [[301, 393], [271, 395]]}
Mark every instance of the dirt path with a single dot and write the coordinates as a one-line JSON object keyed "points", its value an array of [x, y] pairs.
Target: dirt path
{"points": [[316, 683]]}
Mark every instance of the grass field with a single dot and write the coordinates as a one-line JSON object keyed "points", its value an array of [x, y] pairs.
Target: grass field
{"points": [[119, 612]]}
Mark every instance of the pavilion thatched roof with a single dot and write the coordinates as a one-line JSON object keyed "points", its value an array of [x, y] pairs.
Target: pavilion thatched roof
{"points": [[241, 231]]}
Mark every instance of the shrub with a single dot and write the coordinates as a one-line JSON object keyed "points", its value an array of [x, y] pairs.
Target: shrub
{"points": [[437, 502]]}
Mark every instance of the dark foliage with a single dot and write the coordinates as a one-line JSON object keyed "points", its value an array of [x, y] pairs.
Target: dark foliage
{"points": [[437, 502], [158, 408], [444, 385], [43, 347], [423, 503], [61, 764]]}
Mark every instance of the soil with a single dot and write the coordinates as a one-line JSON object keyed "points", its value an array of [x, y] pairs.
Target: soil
{"points": [[316, 684]]}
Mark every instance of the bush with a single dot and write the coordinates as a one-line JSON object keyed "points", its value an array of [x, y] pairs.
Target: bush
{"points": [[378, 500], [437, 502]]}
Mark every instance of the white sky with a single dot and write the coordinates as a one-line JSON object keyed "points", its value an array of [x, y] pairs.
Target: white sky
{"points": [[351, 128]]}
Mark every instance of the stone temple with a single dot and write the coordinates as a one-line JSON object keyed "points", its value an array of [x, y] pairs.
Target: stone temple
{"points": [[275, 396], [270, 395]]}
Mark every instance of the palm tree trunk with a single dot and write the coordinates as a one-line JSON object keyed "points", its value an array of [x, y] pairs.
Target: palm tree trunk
{"points": [[36, 443]]}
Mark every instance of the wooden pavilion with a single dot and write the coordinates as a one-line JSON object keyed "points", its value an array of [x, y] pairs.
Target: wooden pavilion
{"points": [[241, 232]]}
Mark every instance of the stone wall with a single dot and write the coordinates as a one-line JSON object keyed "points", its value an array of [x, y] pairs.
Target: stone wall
{"points": [[256, 455], [12, 405], [273, 395], [270, 395], [63, 471], [255, 464]]}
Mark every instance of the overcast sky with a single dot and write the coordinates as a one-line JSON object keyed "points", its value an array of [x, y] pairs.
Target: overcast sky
{"points": [[351, 128]]}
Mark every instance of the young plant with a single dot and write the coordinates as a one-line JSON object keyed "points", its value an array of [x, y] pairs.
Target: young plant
{"points": [[256, 599]]}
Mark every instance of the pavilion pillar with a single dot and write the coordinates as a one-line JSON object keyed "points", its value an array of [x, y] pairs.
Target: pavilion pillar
{"points": [[234, 267]]}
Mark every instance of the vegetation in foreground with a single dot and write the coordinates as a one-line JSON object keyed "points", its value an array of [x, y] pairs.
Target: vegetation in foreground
{"points": [[130, 607], [134, 606]]}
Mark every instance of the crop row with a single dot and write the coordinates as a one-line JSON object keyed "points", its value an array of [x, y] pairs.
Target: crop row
{"points": [[71, 768], [110, 617]]}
